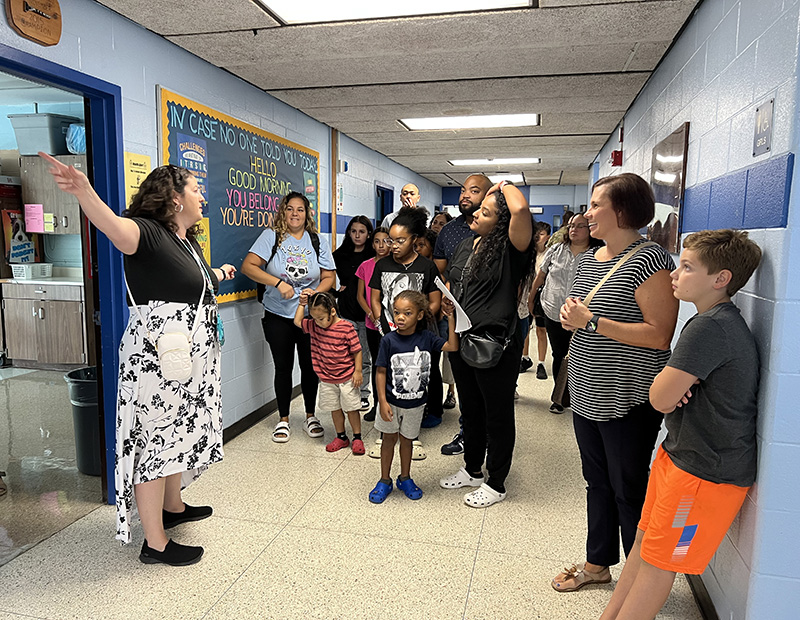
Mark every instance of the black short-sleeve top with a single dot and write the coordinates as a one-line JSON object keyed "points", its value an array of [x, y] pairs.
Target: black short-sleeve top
{"points": [[490, 298], [607, 377], [163, 268]]}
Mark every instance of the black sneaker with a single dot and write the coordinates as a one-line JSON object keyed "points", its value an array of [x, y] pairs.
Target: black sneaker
{"points": [[525, 364], [364, 404], [454, 447], [541, 373], [190, 513], [449, 402], [556, 408], [174, 554], [369, 416]]}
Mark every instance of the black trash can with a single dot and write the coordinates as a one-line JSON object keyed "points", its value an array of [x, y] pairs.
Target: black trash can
{"points": [[82, 385]]}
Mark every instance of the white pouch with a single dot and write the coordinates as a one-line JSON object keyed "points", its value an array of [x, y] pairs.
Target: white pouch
{"points": [[175, 356]]}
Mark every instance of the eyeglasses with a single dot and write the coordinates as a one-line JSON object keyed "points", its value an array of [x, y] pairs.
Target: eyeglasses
{"points": [[577, 226], [397, 241]]}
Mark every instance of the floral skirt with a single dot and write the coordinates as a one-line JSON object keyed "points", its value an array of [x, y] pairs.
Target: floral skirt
{"points": [[165, 427]]}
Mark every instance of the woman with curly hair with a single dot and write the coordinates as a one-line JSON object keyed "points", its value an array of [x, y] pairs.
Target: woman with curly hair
{"points": [[291, 260], [485, 274], [168, 431]]}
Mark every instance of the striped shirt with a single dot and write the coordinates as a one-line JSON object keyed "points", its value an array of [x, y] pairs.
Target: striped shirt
{"points": [[606, 377], [333, 350]]}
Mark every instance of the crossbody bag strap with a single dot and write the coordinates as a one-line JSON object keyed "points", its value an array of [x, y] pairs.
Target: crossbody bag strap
{"points": [[629, 254]]}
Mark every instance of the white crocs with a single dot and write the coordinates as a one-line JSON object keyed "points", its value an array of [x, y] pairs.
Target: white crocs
{"points": [[483, 497], [460, 479]]}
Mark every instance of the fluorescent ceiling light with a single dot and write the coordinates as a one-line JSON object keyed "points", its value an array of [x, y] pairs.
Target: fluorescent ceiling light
{"points": [[317, 11], [499, 161], [516, 179], [664, 177], [470, 122]]}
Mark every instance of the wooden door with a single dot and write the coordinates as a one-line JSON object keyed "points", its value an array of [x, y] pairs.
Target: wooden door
{"points": [[22, 326], [60, 337]]}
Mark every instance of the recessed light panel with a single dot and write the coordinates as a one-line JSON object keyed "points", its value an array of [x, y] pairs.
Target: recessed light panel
{"points": [[516, 179], [499, 161], [319, 11], [470, 122]]}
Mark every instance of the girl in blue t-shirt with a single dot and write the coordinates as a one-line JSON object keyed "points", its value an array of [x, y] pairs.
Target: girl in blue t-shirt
{"points": [[403, 373]]}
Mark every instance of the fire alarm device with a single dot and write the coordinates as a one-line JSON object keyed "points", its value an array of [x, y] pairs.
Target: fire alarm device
{"points": [[37, 20], [616, 158]]}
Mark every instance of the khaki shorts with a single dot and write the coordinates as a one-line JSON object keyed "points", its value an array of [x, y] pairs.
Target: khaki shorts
{"points": [[404, 421], [334, 396]]}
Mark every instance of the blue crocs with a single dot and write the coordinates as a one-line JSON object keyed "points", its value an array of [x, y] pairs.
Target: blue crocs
{"points": [[408, 487], [380, 492]]}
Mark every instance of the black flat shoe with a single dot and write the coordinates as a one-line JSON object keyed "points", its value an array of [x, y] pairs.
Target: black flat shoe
{"points": [[190, 513], [370, 415], [174, 554]]}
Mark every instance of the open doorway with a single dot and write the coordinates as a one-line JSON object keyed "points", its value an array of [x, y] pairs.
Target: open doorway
{"points": [[384, 202], [51, 450]]}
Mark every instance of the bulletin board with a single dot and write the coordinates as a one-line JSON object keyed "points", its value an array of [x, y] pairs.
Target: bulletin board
{"points": [[243, 172]]}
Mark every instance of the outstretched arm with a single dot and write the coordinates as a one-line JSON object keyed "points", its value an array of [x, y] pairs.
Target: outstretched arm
{"points": [[121, 231]]}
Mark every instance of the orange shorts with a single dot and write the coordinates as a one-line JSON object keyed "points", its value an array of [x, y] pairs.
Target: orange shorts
{"points": [[685, 518]]}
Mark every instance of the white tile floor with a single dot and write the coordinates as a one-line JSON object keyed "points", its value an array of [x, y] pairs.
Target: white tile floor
{"points": [[294, 536]]}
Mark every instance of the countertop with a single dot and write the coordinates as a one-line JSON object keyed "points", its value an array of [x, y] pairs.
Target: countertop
{"points": [[57, 280]]}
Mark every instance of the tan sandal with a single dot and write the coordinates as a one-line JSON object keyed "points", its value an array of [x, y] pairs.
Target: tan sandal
{"points": [[576, 576]]}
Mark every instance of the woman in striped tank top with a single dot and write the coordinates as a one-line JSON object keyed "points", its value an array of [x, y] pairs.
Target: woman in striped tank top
{"points": [[621, 343]]}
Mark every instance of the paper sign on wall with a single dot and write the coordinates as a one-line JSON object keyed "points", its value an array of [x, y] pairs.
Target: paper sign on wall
{"points": [[137, 167], [34, 218], [49, 223]]}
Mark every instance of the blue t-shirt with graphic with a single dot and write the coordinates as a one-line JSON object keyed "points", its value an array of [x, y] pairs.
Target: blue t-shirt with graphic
{"points": [[407, 360], [296, 263]]}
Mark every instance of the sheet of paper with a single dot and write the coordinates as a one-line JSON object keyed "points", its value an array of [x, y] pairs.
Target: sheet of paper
{"points": [[49, 223], [462, 320], [34, 218]]}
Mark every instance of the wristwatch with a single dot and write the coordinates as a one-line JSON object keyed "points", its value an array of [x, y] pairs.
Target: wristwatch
{"points": [[591, 326]]}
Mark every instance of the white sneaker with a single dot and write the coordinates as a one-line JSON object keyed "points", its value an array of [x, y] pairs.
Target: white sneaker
{"points": [[460, 479]]}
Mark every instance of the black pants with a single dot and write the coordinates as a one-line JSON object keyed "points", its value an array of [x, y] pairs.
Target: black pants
{"points": [[486, 397], [435, 386], [374, 343], [559, 343], [283, 336], [615, 457]]}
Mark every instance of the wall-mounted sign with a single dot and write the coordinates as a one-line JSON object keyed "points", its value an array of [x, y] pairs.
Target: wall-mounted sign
{"points": [[762, 140], [137, 167], [37, 20], [243, 172]]}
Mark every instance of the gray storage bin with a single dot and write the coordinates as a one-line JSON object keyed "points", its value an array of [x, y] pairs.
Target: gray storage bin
{"points": [[42, 132]]}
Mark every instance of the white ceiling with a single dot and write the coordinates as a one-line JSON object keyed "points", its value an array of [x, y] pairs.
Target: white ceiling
{"points": [[578, 63]]}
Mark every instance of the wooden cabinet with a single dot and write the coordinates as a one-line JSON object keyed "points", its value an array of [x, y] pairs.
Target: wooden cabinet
{"points": [[38, 187], [44, 323]]}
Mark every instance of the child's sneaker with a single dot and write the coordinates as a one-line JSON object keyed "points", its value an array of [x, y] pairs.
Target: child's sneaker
{"points": [[337, 444], [358, 447]]}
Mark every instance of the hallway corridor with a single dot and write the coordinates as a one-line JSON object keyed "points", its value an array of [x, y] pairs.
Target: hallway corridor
{"points": [[294, 536]]}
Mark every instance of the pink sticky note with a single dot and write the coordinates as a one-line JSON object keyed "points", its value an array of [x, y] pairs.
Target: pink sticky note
{"points": [[34, 218]]}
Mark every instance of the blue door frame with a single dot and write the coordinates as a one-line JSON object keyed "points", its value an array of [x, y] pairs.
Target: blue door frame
{"points": [[104, 105]]}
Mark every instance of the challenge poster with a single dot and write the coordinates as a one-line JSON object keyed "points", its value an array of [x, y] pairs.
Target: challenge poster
{"points": [[243, 173]]}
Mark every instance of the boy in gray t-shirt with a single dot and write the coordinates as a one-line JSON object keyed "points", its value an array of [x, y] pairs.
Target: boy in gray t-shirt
{"points": [[707, 462]]}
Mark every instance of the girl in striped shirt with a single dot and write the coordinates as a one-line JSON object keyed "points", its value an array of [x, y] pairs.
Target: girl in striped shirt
{"points": [[336, 357]]}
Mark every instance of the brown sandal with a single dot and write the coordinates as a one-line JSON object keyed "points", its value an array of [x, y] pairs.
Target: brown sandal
{"points": [[576, 576]]}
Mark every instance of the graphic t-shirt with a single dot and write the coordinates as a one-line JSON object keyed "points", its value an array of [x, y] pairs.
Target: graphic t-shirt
{"points": [[296, 263], [391, 278], [407, 360]]}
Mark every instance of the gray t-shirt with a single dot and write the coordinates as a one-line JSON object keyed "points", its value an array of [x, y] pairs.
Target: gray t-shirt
{"points": [[713, 436]]}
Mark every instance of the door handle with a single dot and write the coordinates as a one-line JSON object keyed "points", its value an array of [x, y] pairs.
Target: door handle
{"points": [[41, 313], [65, 221]]}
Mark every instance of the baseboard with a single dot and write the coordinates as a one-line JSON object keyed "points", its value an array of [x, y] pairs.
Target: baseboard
{"points": [[253, 418], [701, 596]]}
